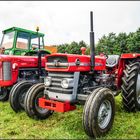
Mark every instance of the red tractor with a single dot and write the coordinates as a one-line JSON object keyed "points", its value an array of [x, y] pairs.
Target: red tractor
{"points": [[89, 80], [22, 71]]}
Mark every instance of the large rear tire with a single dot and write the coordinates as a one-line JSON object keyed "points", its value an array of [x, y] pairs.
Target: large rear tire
{"points": [[31, 102], [4, 94], [99, 111], [131, 87], [17, 95]]}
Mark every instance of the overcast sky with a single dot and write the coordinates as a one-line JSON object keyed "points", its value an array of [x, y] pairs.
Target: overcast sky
{"points": [[67, 21]]}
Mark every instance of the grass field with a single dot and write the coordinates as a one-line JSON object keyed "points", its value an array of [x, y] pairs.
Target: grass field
{"points": [[66, 125]]}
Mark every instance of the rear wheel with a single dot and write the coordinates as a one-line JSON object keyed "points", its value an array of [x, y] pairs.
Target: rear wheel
{"points": [[17, 95], [131, 87], [4, 94], [31, 102], [99, 111]]}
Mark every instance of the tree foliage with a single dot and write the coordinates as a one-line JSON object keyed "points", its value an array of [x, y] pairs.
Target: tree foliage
{"points": [[108, 44], [118, 44], [72, 48]]}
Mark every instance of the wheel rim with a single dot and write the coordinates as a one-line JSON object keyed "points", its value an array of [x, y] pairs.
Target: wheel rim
{"points": [[39, 109], [138, 89], [21, 97], [104, 114], [3, 92]]}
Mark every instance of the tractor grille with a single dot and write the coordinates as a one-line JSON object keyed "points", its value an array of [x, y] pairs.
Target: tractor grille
{"points": [[6, 71], [57, 61], [56, 82], [1, 71]]}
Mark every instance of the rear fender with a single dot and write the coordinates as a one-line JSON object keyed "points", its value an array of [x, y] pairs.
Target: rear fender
{"points": [[122, 62]]}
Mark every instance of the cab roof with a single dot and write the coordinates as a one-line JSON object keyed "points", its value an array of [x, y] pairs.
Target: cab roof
{"points": [[21, 29]]}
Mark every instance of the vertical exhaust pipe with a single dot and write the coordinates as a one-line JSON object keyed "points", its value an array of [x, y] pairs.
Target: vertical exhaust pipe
{"points": [[39, 55], [92, 44]]}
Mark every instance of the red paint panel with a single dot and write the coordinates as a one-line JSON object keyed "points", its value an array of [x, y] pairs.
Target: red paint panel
{"points": [[21, 62], [130, 55], [100, 63], [6, 83]]}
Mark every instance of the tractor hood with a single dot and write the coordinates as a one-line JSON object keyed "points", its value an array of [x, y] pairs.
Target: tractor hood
{"points": [[72, 62], [10, 65], [22, 61]]}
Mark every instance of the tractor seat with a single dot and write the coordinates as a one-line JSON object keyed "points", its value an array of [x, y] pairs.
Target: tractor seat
{"points": [[112, 60]]}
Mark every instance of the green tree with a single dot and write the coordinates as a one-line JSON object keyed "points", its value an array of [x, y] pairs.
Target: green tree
{"points": [[133, 42], [62, 48], [121, 42], [72, 48], [109, 44], [106, 44]]}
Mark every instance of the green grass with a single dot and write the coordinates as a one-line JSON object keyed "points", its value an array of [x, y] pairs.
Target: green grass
{"points": [[64, 125]]}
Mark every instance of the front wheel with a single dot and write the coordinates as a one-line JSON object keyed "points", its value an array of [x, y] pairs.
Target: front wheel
{"points": [[31, 102], [99, 111]]}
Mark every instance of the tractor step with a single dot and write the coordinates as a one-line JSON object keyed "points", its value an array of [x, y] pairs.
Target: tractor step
{"points": [[55, 105]]}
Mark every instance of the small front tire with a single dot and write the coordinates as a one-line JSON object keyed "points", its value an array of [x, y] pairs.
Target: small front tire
{"points": [[31, 102]]}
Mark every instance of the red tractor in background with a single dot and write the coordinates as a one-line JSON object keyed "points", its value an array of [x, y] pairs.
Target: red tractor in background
{"points": [[22, 71], [89, 80]]}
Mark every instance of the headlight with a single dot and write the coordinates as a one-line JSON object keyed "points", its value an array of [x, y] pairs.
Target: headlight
{"points": [[14, 66], [47, 81], [66, 83]]}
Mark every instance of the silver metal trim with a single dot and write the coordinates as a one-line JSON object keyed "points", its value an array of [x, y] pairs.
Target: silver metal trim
{"points": [[58, 64], [82, 97], [63, 75], [7, 72], [60, 89], [67, 64], [75, 87], [58, 96]]}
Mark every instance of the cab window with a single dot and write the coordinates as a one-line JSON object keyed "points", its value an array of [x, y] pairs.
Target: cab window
{"points": [[22, 41], [8, 40], [34, 42]]}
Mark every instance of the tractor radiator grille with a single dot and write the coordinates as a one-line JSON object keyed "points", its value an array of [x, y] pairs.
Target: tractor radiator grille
{"points": [[1, 71], [6, 71], [56, 82], [57, 62]]}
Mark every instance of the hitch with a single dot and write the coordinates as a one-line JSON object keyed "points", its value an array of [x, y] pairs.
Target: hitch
{"points": [[55, 105]]}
